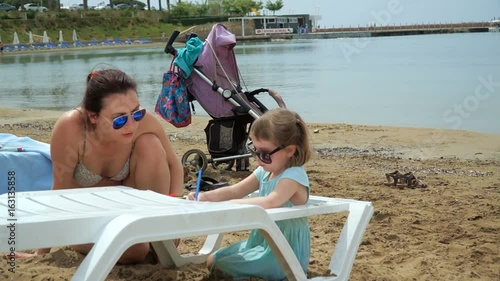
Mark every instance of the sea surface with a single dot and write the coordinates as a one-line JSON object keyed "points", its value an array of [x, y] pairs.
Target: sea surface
{"points": [[449, 81]]}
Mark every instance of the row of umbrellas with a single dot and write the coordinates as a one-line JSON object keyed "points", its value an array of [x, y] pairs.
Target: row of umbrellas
{"points": [[45, 38]]}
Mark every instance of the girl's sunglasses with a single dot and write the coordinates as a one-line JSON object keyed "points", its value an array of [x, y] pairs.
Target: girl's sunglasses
{"points": [[263, 156], [120, 121]]}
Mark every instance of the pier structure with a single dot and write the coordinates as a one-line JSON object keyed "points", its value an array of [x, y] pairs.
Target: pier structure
{"points": [[397, 30]]}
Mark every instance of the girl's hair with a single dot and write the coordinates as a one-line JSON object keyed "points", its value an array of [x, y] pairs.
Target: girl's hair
{"points": [[103, 83], [284, 127]]}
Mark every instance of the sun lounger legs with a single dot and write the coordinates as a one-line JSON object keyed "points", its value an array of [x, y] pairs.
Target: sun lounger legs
{"points": [[343, 255], [127, 230], [170, 257], [350, 238]]}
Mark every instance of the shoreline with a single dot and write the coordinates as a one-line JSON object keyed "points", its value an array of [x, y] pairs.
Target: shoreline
{"points": [[86, 48], [331, 139]]}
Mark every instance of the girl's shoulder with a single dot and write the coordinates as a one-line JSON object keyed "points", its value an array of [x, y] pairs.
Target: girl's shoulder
{"points": [[260, 173], [295, 170], [297, 173]]}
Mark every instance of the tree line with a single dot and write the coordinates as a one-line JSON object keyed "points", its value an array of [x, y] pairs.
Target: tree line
{"points": [[181, 9]]}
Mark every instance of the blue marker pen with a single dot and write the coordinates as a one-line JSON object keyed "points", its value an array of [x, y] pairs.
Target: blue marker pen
{"points": [[198, 182]]}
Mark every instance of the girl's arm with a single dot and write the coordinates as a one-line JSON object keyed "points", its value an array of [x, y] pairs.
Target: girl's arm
{"points": [[238, 190], [174, 162], [286, 189]]}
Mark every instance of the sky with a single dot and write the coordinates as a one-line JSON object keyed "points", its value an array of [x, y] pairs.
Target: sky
{"points": [[364, 12], [381, 12]]}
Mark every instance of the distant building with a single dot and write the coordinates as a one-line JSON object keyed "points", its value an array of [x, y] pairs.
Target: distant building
{"points": [[298, 23]]}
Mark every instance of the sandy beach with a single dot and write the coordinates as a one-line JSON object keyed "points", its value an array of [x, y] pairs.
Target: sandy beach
{"points": [[447, 231]]}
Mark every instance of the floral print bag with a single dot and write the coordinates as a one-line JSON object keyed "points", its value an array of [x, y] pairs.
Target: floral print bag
{"points": [[173, 101]]}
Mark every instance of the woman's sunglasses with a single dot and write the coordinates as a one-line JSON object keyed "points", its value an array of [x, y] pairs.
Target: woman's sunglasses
{"points": [[120, 121], [263, 156]]}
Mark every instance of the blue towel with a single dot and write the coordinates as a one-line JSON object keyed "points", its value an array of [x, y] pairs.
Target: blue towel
{"points": [[186, 57], [26, 170]]}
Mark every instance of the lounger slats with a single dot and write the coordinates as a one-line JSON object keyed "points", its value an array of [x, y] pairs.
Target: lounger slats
{"points": [[5, 215], [96, 202]]}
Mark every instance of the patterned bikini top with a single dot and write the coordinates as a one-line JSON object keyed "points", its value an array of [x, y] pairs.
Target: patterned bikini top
{"points": [[87, 178]]}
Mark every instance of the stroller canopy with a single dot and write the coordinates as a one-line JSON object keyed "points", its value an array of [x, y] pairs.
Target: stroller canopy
{"points": [[218, 63]]}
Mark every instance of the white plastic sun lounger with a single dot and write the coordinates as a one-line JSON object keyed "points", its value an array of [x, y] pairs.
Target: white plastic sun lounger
{"points": [[115, 218]]}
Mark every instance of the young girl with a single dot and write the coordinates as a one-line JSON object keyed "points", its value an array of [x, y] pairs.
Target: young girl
{"points": [[281, 146]]}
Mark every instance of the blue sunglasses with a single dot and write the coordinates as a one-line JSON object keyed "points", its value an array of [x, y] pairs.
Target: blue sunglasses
{"points": [[120, 121]]}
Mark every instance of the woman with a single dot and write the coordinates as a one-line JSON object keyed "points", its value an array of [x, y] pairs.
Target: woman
{"points": [[110, 140]]}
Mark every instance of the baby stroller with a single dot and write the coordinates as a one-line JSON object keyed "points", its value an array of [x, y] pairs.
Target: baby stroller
{"points": [[215, 84]]}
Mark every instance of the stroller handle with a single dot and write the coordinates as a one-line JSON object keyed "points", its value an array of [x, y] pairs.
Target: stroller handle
{"points": [[169, 49]]}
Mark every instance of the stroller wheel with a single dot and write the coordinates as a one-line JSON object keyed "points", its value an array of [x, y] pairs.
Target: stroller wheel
{"points": [[194, 160], [223, 165]]}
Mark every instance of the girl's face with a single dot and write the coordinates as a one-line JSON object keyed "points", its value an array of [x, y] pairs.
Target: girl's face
{"points": [[273, 158], [119, 117]]}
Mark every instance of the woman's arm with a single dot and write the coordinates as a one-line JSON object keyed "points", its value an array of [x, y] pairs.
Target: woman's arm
{"points": [[64, 155], [66, 137], [174, 163], [239, 190]]}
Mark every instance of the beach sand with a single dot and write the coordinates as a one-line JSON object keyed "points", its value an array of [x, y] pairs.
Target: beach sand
{"points": [[447, 231]]}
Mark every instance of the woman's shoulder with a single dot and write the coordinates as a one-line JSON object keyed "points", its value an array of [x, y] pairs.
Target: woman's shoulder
{"points": [[70, 122], [73, 115], [150, 124]]}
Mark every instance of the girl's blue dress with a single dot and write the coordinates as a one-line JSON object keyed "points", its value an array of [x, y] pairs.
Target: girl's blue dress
{"points": [[254, 257]]}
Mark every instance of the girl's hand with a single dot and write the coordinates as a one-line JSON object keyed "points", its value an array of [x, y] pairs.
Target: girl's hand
{"points": [[191, 196]]}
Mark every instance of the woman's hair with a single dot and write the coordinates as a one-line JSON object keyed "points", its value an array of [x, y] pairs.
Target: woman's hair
{"points": [[284, 127], [103, 83]]}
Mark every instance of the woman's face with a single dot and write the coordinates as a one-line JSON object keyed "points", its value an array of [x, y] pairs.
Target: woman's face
{"points": [[123, 106]]}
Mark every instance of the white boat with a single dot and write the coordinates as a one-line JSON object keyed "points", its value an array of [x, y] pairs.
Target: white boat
{"points": [[494, 26]]}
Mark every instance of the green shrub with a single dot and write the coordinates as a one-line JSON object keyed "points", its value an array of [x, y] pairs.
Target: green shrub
{"points": [[62, 15], [109, 24], [31, 14]]}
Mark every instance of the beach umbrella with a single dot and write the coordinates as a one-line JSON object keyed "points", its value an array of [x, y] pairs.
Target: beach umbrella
{"points": [[31, 38], [75, 38], [61, 36], [45, 38], [16, 39]]}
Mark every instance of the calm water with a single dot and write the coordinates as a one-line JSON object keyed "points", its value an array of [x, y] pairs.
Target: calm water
{"points": [[437, 81]]}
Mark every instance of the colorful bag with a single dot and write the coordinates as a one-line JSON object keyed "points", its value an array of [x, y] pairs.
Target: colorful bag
{"points": [[173, 101]]}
